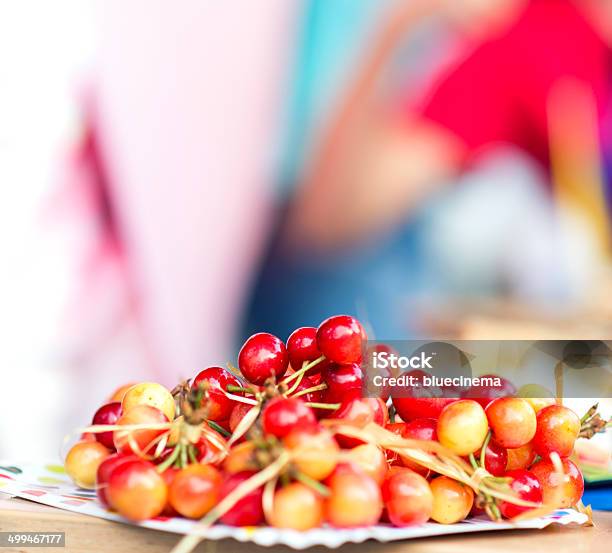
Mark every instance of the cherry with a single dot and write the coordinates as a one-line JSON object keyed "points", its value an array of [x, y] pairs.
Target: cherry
{"points": [[496, 458], [296, 506], [486, 394], [105, 469], [308, 382], [407, 498], [107, 414], [343, 382], [370, 459], [248, 511], [452, 500], [195, 490], [142, 441], [239, 411], [217, 379], [281, 414], [302, 347], [419, 429], [354, 500], [521, 457], [315, 451], [168, 476], [359, 412], [512, 421], [262, 356], [557, 430], [340, 339], [410, 408], [527, 487], [136, 491], [82, 463], [241, 458], [462, 427], [560, 492]]}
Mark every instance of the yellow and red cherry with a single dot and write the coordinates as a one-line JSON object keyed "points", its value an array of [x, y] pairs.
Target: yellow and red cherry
{"points": [[136, 490], [139, 441], [557, 431], [462, 426], [195, 490], [355, 498], [559, 491], [512, 421], [298, 507], [407, 497], [452, 500]]}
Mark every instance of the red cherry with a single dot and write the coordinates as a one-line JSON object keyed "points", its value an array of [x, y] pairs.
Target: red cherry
{"points": [[486, 394], [107, 414], [340, 339], [217, 378], [238, 413], [421, 429], [246, 512], [281, 414], [527, 487], [105, 469], [410, 408], [302, 347], [306, 383], [359, 412], [263, 356], [343, 382], [496, 458]]}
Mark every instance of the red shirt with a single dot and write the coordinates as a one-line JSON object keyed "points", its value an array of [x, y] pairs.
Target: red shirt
{"points": [[499, 92]]}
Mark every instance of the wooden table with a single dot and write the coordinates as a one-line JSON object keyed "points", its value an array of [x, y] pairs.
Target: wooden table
{"points": [[90, 534]]}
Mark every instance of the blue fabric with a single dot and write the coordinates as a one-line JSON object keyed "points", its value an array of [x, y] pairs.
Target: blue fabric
{"points": [[600, 498], [296, 290]]}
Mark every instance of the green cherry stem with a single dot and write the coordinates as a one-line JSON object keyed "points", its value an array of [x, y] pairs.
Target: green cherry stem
{"points": [[304, 368], [483, 449]]}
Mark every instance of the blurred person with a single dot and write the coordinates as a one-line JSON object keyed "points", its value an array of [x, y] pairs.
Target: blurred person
{"points": [[352, 234], [171, 179]]}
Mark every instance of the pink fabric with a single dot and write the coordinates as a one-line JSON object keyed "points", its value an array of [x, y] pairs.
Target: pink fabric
{"points": [[187, 101]]}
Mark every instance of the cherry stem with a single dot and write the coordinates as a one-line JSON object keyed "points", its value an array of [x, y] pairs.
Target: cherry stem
{"points": [[170, 460], [473, 462], [309, 390], [218, 428], [330, 406], [483, 450], [241, 399], [183, 457], [312, 483], [192, 455], [232, 388], [304, 368]]}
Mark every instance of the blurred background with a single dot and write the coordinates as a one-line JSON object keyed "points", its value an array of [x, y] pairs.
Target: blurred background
{"points": [[178, 175]]}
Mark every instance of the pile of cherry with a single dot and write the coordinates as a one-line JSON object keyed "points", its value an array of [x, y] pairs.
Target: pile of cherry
{"points": [[151, 452]]}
